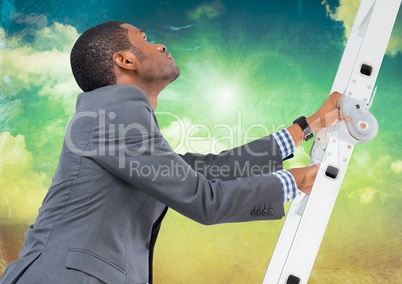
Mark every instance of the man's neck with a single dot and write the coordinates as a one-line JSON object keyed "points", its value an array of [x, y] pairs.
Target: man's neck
{"points": [[153, 100], [152, 90]]}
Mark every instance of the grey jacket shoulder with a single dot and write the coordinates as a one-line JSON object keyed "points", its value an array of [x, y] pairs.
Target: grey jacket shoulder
{"points": [[112, 96]]}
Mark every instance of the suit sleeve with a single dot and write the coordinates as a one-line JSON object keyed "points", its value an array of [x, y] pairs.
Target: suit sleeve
{"points": [[259, 157], [135, 151]]}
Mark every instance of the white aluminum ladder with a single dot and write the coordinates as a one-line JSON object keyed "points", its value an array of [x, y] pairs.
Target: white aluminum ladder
{"points": [[308, 216]]}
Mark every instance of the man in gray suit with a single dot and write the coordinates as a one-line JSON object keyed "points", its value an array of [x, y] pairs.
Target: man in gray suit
{"points": [[117, 175]]}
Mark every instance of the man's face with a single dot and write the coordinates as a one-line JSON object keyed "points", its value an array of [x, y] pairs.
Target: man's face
{"points": [[156, 64]]}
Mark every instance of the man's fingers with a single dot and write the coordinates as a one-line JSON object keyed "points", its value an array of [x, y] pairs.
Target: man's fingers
{"points": [[336, 96]]}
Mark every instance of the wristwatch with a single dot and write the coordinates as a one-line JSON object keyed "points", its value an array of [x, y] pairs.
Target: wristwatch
{"points": [[302, 122]]}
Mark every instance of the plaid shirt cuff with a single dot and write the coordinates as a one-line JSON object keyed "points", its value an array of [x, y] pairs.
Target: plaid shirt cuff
{"points": [[285, 143], [288, 185]]}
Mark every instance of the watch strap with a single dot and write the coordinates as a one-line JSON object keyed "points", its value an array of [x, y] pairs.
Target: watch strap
{"points": [[302, 122]]}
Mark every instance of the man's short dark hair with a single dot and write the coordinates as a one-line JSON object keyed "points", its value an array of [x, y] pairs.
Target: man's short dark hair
{"points": [[92, 55]]}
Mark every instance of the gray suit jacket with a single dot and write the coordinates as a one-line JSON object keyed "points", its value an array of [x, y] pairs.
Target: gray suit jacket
{"points": [[115, 180]]}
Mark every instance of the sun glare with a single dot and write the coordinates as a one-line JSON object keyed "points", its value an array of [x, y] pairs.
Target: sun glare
{"points": [[226, 96]]}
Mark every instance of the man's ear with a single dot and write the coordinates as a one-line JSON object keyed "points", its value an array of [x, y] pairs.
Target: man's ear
{"points": [[125, 60]]}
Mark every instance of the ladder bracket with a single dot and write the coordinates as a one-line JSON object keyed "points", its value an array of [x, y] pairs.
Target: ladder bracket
{"points": [[360, 122]]}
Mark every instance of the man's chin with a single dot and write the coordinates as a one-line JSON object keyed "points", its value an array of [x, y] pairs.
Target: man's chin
{"points": [[176, 74]]}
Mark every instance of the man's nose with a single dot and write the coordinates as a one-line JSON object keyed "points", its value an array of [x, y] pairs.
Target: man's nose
{"points": [[161, 48]]}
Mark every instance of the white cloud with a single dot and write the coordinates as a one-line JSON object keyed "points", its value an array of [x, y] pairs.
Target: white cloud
{"points": [[2, 41], [43, 62], [57, 36], [56, 127], [33, 20], [396, 167], [21, 188], [346, 12], [209, 10], [369, 178], [366, 195]]}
